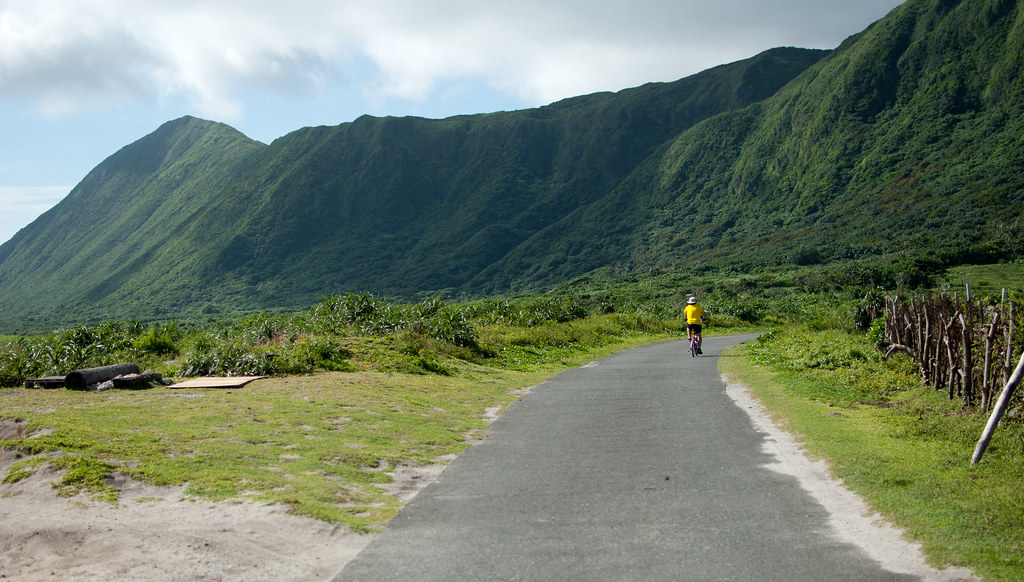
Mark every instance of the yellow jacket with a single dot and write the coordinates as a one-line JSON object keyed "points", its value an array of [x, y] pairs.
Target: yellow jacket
{"points": [[694, 314]]}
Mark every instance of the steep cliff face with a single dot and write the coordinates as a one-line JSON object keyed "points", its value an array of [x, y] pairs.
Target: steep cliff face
{"points": [[197, 218], [906, 137]]}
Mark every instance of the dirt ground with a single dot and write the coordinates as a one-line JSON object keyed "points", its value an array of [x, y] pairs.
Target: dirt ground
{"points": [[153, 534]]}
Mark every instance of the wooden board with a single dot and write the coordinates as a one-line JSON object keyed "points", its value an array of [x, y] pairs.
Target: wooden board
{"points": [[216, 382], [47, 382]]}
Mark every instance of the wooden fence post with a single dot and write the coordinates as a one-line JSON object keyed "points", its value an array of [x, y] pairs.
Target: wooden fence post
{"points": [[967, 373], [951, 378], [927, 351], [987, 369]]}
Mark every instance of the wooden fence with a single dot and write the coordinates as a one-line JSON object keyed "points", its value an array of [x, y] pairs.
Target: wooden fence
{"points": [[961, 346]]}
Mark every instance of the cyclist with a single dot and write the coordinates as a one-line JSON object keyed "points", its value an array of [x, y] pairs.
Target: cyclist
{"points": [[694, 318]]}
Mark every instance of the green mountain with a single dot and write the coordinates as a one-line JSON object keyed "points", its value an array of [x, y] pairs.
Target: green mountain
{"points": [[197, 218], [109, 236], [905, 138]]}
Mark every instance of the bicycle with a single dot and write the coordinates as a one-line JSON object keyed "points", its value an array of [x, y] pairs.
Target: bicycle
{"points": [[694, 350]]}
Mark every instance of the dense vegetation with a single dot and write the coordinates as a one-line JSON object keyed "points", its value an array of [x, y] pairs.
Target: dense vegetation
{"points": [[333, 333], [358, 331]]}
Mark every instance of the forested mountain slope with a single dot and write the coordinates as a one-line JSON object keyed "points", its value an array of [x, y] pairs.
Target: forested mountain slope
{"points": [[109, 233], [197, 218], [906, 138]]}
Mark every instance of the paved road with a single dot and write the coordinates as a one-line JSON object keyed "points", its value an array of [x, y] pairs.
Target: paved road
{"points": [[637, 467]]}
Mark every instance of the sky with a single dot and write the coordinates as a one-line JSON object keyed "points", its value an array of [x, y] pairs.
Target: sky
{"points": [[80, 79]]}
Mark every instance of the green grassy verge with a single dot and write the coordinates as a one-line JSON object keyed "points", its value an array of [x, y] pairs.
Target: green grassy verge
{"points": [[905, 449]]}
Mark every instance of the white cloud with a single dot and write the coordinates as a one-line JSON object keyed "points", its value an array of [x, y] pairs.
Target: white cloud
{"points": [[61, 62], [31, 198], [70, 55], [67, 55], [21, 205]]}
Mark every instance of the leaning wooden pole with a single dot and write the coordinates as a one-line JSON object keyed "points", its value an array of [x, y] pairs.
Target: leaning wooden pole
{"points": [[997, 412]]}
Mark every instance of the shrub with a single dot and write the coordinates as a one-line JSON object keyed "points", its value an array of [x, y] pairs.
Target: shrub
{"points": [[317, 353], [14, 365], [261, 329], [230, 360], [361, 312], [156, 342], [451, 325]]}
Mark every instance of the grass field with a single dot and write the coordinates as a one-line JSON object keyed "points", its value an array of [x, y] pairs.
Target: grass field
{"points": [[986, 279]]}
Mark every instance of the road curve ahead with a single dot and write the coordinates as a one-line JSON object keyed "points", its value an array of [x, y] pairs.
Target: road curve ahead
{"points": [[636, 467]]}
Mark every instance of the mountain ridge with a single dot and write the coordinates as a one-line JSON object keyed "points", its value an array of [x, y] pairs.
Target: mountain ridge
{"points": [[363, 205], [902, 139]]}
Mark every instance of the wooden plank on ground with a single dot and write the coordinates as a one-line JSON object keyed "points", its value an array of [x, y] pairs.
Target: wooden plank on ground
{"points": [[216, 382], [46, 382]]}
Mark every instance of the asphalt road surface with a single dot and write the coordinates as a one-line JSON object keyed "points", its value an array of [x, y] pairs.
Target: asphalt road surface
{"points": [[636, 467]]}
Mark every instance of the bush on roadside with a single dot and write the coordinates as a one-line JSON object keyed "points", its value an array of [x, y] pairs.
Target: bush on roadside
{"points": [[157, 342]]}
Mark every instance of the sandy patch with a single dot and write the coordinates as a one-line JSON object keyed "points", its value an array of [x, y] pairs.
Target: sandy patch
{"points": [[157, 534], [851, 519], [154, 534]]}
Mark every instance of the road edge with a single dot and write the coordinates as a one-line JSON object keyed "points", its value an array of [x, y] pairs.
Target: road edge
{"points": [[850, 518]]}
